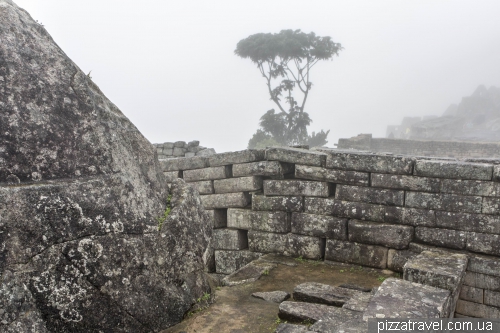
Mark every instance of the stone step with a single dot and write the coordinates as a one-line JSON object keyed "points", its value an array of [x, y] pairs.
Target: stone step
{"points": [[301, 311], [358, 302], [314, 292], [272, 296]]}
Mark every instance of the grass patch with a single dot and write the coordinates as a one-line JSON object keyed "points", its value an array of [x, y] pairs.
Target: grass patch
{"points": [[163, 218]]}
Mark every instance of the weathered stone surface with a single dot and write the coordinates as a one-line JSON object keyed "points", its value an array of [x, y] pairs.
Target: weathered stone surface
{"points": [[226, 200], [321, 206], [170, 176], [444, 201], [356, 287], [332, 175], [239, 218], [471, 187], [236, 157], [472, 294], [454, 239], [477, 310], [243, 184], [266, 242], [484, 264], [203, 186], [273, 169], [496, 173], [319, 226], [206, 152], [218, 217], [291, 328], [340, 320], [179, 152], [440, 270], [410, 216], [180, 144], [388, 235], [403, 299], [396, 259], [80, 249], [369, 195], [491, 206], [313, 292], [184, 163], [227, 262], [468, 222], [368, 162], [273, 296], [219, 172], [359, 211], [296, 187], [490, 297], [230, 239], [453, 170], [358, 302], [289, 204], [482, 281], [296, 156], [304, 246], [249, 273], [402, 182], [270, 221], [483, 243], [300, 311], [354, 253]]}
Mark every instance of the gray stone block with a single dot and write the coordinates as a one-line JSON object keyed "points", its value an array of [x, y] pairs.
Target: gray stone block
{"points": [[227, 262], [267, 242], [496, 173], [281, 203], [483, 281], [291, 328], [203, 186], [490, 297], [319, 293], [368, 162], [168, 151], [170, 176], [483, 243], [388, 235], [472, 294], [402, 182], [251, 272], [358, 302], [369, 195], [453, 239], [468, 222], [278, 222], [331, 175], [477, 310], [194, 143], [179, 152], [226, 200], [175, 164], [410, 216], [304, 246], [239, 218], [444, 201], [277, 296], [321, 206], [341, 320], [491, 206], [319, 226], [168, 145], [359, 211], [273, 169], [354, 253], [295, 155], [296, 187], [243, 184], [190, 154], [180, 144], [206, 152], [440, 270], [230, 239], [453, 170], [397, 298], [218, 217], [396, 259], [236, 157], [301, 311], [470, 187], [212, 173], [484, 264]]}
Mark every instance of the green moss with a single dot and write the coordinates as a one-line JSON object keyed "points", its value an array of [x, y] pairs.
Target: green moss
{"points": [[163, 218]]}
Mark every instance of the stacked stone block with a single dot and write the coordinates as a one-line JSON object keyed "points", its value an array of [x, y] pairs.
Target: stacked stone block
{"points": [[377, 210], [181, 149]]}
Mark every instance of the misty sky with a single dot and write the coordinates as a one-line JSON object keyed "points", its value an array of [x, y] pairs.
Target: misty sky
{"points": [[170, 65]]}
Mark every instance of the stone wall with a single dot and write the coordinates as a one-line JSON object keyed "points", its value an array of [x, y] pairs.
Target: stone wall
{"points": [[375, 210], [454, 149], [181, 149]]}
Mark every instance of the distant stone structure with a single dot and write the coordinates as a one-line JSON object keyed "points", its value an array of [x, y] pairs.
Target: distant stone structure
{"points": [[181, 149]]}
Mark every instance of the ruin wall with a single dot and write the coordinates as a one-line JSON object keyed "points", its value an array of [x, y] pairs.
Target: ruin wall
{"points": [[368, 209]]}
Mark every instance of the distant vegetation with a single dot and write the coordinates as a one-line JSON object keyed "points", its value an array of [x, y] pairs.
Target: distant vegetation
{"points": [[287, 56]]}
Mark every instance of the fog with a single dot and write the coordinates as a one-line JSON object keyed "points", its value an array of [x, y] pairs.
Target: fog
{"points": [[170, 65]]}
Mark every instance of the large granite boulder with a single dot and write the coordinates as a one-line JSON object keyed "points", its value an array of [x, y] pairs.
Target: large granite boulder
{"points": [[81, 191]]}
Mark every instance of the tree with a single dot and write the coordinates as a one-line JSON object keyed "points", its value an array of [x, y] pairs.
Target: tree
{"points": [[285, 60]]}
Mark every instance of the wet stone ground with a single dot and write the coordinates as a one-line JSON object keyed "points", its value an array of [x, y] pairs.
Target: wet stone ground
{"points": [[236, 311]]}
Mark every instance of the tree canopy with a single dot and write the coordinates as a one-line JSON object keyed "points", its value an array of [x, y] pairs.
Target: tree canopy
{"points": [[285, 59]]}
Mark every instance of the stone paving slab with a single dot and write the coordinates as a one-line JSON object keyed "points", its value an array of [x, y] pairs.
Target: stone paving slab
{"points": [[313, 292], [249, 273], [332, 175], [319, 226], [272, 296], [355, 253], [296, 188], [402, 182], [242, 184], [236, 157], [453, 169], [295, 155], [389, 235], [300, 311], [226, 200], [358, 302], [229, 261], [272, 169], [342, 321], [369, 195], [282, 203], [397, 298]]}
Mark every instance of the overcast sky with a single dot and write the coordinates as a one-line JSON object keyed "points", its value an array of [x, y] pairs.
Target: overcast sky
{"points": [[170, 65]]}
